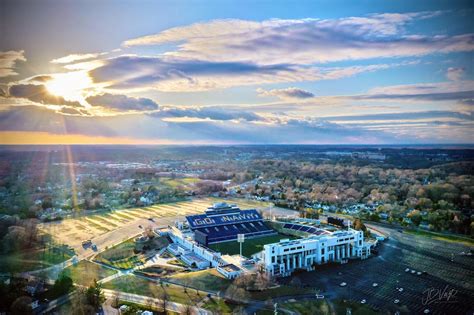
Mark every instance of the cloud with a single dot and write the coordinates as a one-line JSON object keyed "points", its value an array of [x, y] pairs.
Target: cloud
{"points": [[122, 102], [8, 60], [155, 127], [439, 91], [75, 57], [37, 93], [404, 116], [210, 113], [182, 75], [285, 94], [170, 74], [455, 74], [305, 41]]}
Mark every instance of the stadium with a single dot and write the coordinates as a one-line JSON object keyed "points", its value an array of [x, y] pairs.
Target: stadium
{"points": [[279, 246]]}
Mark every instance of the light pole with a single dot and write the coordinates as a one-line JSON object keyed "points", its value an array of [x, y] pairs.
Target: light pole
{"points": [[240, 239]]}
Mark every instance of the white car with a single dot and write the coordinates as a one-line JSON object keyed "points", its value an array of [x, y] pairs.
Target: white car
{"points": [[343, 284], [407, 270], [400, 289], [418, 273], [426, 311], [396, 301], [319, 296], [375, 284], [363, 301], [413, 271]]}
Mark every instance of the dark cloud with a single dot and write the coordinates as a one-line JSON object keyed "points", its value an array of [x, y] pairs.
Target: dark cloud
{"points": [[39, 78], [134, 71], [288, 93], [36, 118], [122, 102], [37, 93]]}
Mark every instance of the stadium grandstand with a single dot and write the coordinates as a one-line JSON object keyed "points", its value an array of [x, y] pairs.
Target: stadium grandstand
{"points": [[304, 228], [222, 222]]}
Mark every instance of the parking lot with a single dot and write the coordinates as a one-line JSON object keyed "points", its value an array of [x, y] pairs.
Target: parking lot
{"points": [[448, 270]]}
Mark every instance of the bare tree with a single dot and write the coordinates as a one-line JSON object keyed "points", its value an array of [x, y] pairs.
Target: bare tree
{"points": [[186, 309], [116, 300], [163, 299], [237, 294]]}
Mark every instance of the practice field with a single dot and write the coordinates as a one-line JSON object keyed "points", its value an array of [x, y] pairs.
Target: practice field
{"points": [[250, 246], [34, 259], [76, 230]]}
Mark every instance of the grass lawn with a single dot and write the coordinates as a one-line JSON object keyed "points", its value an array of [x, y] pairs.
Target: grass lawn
{"points": [[158, 271], [140, 286], [443, 237], [121, 256], [309, 307], [218, 306], [249, 247], [85, 272], [173, 183], [209, 280], [34, 259]]}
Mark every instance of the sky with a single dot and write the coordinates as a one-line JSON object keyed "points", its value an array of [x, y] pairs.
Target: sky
{"points": [[236, 72]]}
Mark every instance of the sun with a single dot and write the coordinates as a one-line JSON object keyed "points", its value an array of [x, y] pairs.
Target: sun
{"points": [[70, 85]]}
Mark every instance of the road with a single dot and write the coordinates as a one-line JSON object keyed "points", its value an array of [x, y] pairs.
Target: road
{"points": [[146, 300]]}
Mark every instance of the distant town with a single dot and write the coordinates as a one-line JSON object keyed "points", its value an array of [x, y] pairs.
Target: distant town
{"points": [[236, 229]]}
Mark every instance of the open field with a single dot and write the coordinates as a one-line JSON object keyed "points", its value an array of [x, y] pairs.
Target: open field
{"points": [[249, 247], [29, 260], [138, 285], [209, 280], [85, 272], [75, 230], [459, 239]]}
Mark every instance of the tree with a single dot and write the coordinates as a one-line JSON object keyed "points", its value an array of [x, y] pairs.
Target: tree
{"points": [[131, 310], [186, 309], [163, 299], [237, 294], [62, 285], [95, 296], [262, 281], [22, 306], [360, 226], [415, 217]]}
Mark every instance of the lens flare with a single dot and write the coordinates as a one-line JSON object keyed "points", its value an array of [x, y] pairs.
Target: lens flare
{"points": [[70, 85]]}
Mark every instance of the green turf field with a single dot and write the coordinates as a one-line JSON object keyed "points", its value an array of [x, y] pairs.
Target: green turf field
{"points": [[249, 247]]}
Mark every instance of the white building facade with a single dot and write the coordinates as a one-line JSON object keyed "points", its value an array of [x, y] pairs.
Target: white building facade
{"points": [[281, 259]]}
